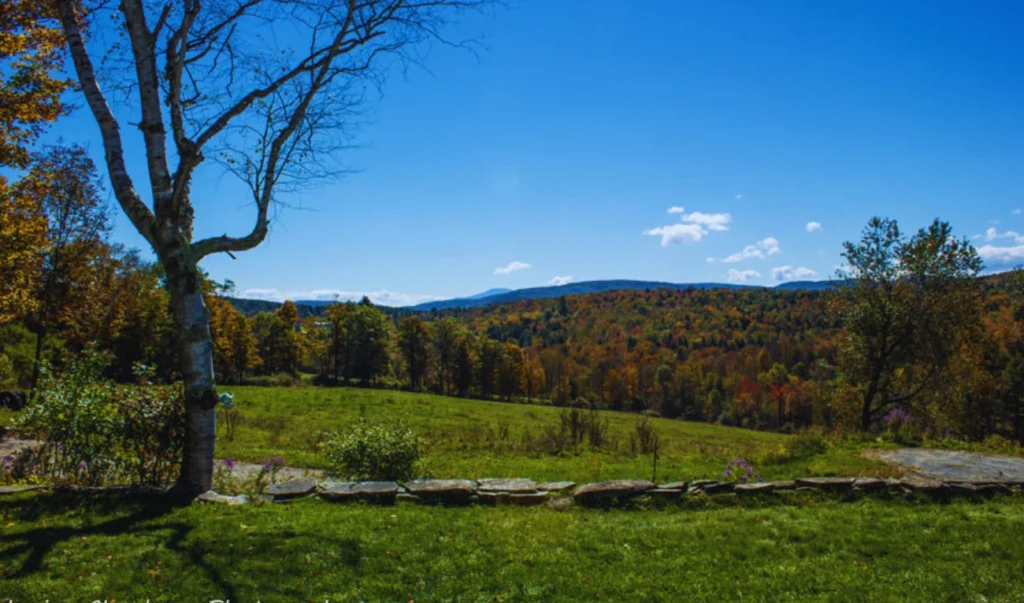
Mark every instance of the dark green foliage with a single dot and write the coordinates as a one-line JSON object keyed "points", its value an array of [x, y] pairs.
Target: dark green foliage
{"points": [[912, 304], [383, 450], [97, 432]]}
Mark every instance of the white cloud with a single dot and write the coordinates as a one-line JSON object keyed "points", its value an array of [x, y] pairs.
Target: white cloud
{"points": [[739, 196], [1016, 212], [718, 222], [764, 247], [561, 280], [1002, 256], [710, 260], [512, 267], [677, 234], [741, 276], [692, 229], [992, 234], [383, 297], [813, 226], [789, 273], [676, 209]]}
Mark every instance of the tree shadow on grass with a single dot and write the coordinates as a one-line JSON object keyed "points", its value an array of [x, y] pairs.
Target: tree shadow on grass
{"points": [[35, 545], [133, 513]]}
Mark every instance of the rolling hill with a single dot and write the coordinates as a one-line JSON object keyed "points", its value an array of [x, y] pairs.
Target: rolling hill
{"points": [[501, 296]]}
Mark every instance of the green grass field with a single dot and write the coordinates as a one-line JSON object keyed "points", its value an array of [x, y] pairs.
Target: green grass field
{"points": [[75, 549], [474, 439]]}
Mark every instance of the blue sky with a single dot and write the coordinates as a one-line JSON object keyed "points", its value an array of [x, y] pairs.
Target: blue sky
{"points": [[677, 141]]}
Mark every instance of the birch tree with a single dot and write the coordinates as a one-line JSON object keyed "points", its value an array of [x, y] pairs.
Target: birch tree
{"points": [[212, 81]]}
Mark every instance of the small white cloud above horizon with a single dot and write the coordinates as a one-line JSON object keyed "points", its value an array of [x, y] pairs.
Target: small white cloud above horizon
{"points": [[512, 267], [1016, 212], [813, 226], [561, 280], [382, 298], [676, 209], [675, 234], [719, 222], [693, 227], [739, 196], [765, 247], [742, 276], [789, 273], [710, 260]]}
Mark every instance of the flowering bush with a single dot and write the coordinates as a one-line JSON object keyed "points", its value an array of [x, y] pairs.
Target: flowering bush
{"points": [[97, 432], [378, 451], [739, 470], [901, 426]]}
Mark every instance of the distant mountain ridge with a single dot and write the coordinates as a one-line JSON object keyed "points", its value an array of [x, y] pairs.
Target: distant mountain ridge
{"points": [[584, 287], [501, 296]]}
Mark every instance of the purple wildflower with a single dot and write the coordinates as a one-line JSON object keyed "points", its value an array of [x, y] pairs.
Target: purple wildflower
{"points": [[898, 415], [230, 464]]}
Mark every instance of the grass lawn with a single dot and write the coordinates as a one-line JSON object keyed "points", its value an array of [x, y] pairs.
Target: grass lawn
{"points": [[73, 549], [474, 439]]}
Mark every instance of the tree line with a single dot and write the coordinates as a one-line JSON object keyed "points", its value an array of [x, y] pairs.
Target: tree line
{"points": [[912, 327]]}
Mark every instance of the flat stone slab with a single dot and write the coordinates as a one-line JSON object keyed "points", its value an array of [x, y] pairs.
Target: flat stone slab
{"points": [[528, 499], [673, 486], [962, 488], [18, 488], [506, 485], [336, 491], [604, 491], [295, 488], [825, 483], [918, 483], [718, 488], [378, 492], [556, 486], [442, 490], [754, 487], [952, 465], [493, 498], [871, 483], [664, 493], [700, 483], [213, 497]]}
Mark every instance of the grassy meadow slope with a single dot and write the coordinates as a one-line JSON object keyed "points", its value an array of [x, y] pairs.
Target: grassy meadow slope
{"points": [[77, 549], [474, 439]]}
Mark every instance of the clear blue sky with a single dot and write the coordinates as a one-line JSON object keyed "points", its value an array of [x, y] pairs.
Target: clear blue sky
{"points": [[587, 120]]}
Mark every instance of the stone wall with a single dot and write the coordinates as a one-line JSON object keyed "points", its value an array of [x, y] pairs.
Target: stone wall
{"points": [[526, 492]]}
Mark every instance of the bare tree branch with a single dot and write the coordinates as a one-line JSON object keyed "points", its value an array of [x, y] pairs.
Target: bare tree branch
{"points": [[124, 190], [152, 126]]}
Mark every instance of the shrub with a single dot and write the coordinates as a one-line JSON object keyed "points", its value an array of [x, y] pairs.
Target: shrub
{"points": [[1000, 445], [385, 450], [97, 432], [808, 443], [644, 439]]}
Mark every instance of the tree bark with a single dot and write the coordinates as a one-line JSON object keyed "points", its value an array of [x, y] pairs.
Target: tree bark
{"points": [[196, 348]]}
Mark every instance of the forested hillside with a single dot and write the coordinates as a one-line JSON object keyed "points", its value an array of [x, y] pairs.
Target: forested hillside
{"points": [[913, 336]]}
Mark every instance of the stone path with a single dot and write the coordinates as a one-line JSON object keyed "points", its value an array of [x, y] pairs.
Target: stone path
{"points": [[246, 471], [954, 465]]}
